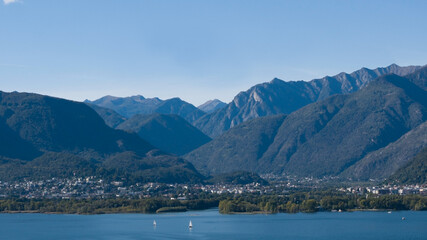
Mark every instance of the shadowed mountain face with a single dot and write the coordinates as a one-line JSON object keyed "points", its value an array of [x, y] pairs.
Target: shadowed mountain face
{"points": [[53, 124], [278, 97], [130, 106], [323, 138], [415, 172], [13, 146], [212, 106], [170, 133], [111, 118], [239, 149], [419, 78], [387, 160], [41, 135]]}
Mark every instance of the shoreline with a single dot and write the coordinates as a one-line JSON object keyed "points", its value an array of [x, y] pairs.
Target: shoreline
{"points": [[231, 213], [100, 213], [248, 213]]}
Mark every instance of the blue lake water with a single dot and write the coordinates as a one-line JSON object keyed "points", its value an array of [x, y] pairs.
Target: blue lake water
{"points": [[209, 224]]}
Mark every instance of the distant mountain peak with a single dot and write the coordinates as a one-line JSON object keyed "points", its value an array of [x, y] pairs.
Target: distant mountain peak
{"points": [[212, 106], [108, 97], [138, 98], [276, 80], [175, 99]]}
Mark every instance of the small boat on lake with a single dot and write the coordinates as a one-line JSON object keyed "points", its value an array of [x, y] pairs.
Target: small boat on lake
{"points": [[154, 223], [190, 225]]}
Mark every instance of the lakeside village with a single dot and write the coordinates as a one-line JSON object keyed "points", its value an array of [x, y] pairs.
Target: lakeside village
{"points": [[92, 187]]}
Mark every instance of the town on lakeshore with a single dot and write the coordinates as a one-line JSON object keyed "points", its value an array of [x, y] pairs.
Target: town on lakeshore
{"points": [[93, 187], [94, 195]]}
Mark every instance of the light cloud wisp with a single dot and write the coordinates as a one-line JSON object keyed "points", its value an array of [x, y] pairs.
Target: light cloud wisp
{"points": [[6, 2]]}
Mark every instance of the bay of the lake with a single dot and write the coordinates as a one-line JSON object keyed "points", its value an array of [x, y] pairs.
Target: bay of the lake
{"points": [[209, 224]]}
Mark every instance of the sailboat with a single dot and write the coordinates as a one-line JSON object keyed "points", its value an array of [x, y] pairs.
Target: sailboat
{"points": [[154, 223], [190, 225]]}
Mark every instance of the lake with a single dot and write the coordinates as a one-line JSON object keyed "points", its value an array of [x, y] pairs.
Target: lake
{"points": [[209, 224]]}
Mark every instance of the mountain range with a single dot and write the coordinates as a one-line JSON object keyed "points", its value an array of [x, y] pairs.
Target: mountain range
{"points": [[378, 128], [168, 132], [130, 106], [50, 137], [275, 97], [280, 97], [359, 126]]}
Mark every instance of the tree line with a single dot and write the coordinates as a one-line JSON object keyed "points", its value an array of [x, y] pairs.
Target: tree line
{"points": [[101, 206], [312, 202]]}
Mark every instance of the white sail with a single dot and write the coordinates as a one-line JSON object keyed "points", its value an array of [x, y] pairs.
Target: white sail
{"points": [[190, 225], [154, 223]]}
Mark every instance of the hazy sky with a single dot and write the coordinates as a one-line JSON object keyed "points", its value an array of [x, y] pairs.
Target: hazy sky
{"points": [[198, 50]]}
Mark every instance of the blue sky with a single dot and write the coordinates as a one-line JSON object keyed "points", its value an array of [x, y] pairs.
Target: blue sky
{"points": [[198, 50]]}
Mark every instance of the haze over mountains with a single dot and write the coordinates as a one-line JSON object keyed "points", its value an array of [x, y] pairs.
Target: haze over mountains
{"points": [[111, 118], [168, 132], [130, 106], [337, 135]]}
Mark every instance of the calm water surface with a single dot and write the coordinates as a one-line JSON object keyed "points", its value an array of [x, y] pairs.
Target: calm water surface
{"points": [[209, 224]]}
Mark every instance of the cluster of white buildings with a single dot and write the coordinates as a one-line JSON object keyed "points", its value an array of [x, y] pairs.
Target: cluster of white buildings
{"points": [[236, 189], [388, 190]]}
